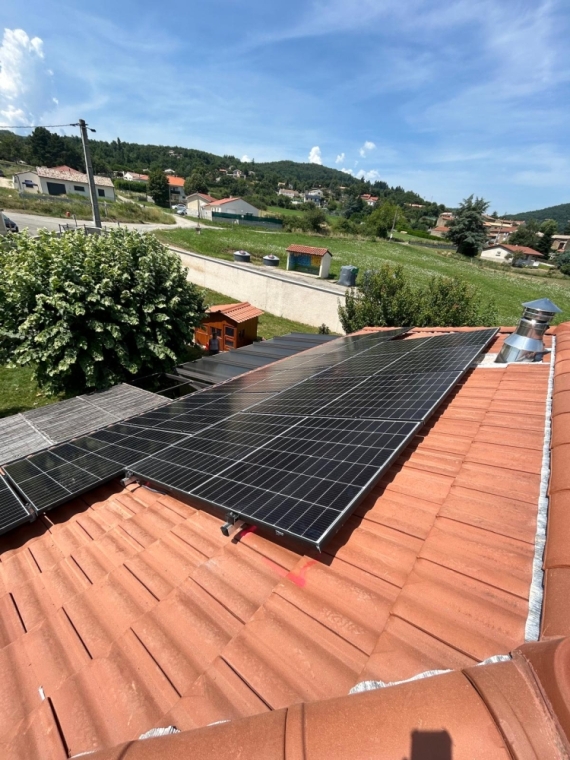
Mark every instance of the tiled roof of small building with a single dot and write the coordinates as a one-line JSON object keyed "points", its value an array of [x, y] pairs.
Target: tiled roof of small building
{"points": [[71, 175], [311, 250], [237, 312]]}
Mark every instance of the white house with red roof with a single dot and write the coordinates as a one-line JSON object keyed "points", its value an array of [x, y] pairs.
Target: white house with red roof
{"points": [[196, 202], [503, 253], [230, 206]]}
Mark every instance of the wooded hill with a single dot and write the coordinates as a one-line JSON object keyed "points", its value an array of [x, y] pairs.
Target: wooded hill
{"points": [[50, 149], [560, 214]]}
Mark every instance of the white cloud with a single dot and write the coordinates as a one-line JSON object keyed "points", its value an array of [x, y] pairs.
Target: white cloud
{"points": [[245, 159], [25, 82], [339, 159], [366, 148], [369, 176], [347, 171], [315, 155]]}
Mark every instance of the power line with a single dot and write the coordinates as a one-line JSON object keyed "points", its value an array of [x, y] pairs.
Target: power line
{"points": [[35, 126]]}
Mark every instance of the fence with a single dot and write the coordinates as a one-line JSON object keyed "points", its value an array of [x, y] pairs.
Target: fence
{"points": [[268, 222]]}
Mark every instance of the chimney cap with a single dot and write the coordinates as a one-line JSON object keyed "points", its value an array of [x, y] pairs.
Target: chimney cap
{"points": [[543, 304]]}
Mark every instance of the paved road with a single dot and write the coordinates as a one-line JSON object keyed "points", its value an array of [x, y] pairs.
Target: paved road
{"points": [[34, 222]]}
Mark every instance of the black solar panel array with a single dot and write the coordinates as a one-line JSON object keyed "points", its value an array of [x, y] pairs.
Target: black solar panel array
{"points": [[293, 446], [12, 511]]}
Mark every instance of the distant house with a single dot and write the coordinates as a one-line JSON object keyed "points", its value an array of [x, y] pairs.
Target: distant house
{"points": [[306, 258], [288, 193], [169, 171], [234, 324], [196, 202], [237, 174], [230, 206], [134, 177], [504, 252], [560, 243], [176, 188], [62, 180], [315, 196], [443, 218], [370, 200], [496, 235]]}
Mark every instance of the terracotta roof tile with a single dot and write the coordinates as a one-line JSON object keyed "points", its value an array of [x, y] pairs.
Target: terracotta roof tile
{"points": [[237, 312], [311, 250]]}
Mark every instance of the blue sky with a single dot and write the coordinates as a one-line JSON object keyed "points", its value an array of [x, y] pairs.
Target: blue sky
{"points": [[445, 98]]}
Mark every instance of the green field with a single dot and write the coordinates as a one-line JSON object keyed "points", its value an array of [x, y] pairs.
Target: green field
{"points": [[507, 288]]}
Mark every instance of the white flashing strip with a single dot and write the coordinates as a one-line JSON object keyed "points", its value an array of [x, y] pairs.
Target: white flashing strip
{"points": [[536, 595], [373, 685]]}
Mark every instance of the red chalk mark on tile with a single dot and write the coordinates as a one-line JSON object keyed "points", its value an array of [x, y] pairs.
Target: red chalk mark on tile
{"points": [[299, 578]]}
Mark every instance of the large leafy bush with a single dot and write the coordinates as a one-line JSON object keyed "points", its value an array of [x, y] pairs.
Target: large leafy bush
{"points": [[387, 298], [89, 311]]}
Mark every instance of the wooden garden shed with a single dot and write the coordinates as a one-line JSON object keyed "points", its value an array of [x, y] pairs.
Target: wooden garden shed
{"points": [[235, 325], [307, 258]]}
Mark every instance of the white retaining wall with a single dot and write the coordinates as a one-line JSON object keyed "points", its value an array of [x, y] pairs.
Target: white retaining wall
{"points": [[271, 290]]}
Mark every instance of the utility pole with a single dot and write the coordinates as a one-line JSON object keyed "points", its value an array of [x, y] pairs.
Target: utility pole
{"points": [[90, 176]]}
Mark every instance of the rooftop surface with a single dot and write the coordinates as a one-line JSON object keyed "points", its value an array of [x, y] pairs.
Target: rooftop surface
{"points": [[127, 609], [238, 312], [71, 175], [308, 249]]}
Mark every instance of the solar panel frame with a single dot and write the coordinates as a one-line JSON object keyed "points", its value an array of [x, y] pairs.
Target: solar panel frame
{"points": [[13, 512]]}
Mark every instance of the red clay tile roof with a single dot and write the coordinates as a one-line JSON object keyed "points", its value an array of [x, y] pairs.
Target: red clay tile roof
{"points": [[499, 711], [127, 609], [518, 249], [238, 312], [308, 249], [216, 202], [175, 181]]}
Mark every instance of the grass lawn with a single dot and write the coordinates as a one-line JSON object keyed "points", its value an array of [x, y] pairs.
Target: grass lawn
{"points": [[507, 288], [19, 392]]}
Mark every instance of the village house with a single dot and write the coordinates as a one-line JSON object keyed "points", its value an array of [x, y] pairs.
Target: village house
{"points": [[503, 252], [135, 177], [370, 200], [288, 193], [176, 189], [560, 243], [61, 180], [196, 202], [315, 195], [234, 206]]}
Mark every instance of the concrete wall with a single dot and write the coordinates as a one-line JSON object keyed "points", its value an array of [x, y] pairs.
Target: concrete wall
{"points": [[280, 294]]}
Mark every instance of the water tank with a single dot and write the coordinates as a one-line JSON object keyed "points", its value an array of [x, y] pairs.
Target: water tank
{"points": [[270, 260], [348, 276], [242, 256]]}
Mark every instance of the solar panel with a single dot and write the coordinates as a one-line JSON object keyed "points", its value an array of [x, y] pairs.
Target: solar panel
{"points": [[12, 511], [292, 447]]}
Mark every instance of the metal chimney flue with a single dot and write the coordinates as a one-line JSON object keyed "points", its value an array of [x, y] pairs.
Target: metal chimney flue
{"points": [[526, 343]]}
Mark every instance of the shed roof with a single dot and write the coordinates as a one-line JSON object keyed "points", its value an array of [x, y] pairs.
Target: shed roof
{"points": [[238, 312], [127, 609], [308, 249]]}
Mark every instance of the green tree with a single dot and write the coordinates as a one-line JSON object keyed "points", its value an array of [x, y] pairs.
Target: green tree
{"points": [[316, 219], [467, 229], [563, 262], [383, 218], [158, 188], [526, 234], [567, 228], [195, 183], [548, 228], [89, 311], [387, 298]]}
